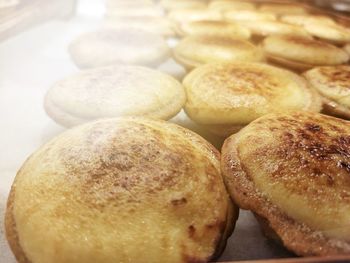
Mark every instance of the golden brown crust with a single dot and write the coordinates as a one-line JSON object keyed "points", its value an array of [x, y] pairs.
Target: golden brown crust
{"points": [[194, 51], [308, 155], [227, 96], [213, 28], [302, 53], [110, 174], [333, 85], [11, 230]]}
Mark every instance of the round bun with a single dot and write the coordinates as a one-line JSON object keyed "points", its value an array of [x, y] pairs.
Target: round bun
{"points": [[223, 5], [249, 15], [189, 15], [270, 27], [302, 52], [120, 190], [283, 9], [157, 25], [124, 46], [226, 97], [333, 33], [194, 51], [292, 171], [303, 20], [333, 83], [213, 28], [114, 91]]}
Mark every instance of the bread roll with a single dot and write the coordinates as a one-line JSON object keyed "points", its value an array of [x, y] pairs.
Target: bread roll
{"points": [[292, 171], [302, 53], [213, 28], [120, 190], [333, 83], [194, 51], [226, 97], [118, 46], [114, 91]]}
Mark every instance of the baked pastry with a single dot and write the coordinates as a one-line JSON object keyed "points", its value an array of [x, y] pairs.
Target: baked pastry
{"points": [[182, 4], [333, 83], [194, 51], [118, 46], [226, 97], [283, 9], [189, 15], [157, 25], [306, 19], [263, 28], [292, 171], [223, 5], [120, 190], [248, 15], [114, 91], [300, 53], [333, 33], [213, 28]]}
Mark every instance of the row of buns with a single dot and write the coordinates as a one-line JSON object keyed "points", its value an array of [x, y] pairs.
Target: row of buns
{"points": [[125, 185], [145, 190]]}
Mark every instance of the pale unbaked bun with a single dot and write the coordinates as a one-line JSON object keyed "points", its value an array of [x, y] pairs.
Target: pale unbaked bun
{"points": [[226, 97], [120, 190], [194, 51], [302, 53], [114, 91], [119, 46], [292, 171], [333, 83]]}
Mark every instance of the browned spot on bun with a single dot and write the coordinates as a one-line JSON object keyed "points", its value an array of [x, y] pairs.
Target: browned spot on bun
{"points": [[177, 202], [132, 186], [337, 76], [191, 230], [248, 81], [293, 170]]}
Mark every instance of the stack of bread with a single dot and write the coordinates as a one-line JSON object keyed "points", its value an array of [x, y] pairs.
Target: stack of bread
{"points": [[126, 185]]}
